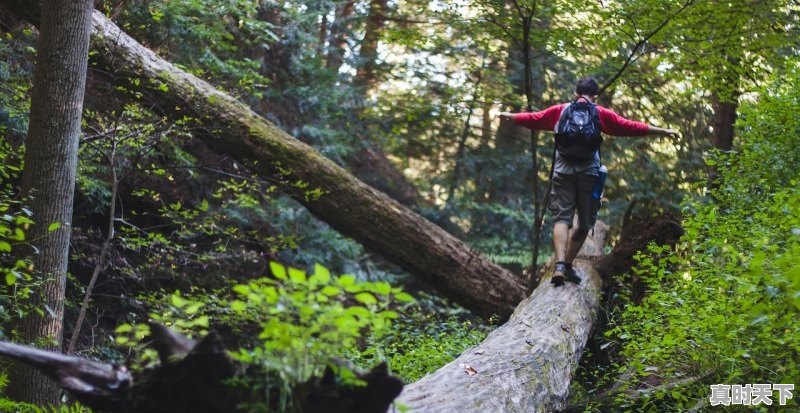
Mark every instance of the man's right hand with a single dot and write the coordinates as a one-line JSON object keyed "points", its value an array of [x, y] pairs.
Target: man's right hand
{"points": [[672, 133], [506, 115]]}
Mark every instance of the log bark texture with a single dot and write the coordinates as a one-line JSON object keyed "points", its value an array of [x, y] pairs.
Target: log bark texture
{"points": [[328, 191], [526, 364]]}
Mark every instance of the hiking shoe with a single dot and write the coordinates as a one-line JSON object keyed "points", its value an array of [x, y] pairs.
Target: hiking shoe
{"points": [[570, 274], [558, 274]]}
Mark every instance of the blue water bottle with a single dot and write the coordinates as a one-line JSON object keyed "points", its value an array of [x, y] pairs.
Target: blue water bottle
{"points": [[597, 192]]}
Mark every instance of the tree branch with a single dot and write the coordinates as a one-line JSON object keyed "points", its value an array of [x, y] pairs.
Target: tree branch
{"points": [[641, 43], [104, 251]]}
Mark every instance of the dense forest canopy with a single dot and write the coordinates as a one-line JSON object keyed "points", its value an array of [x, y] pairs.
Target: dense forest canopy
{"points": [[411, 229]]}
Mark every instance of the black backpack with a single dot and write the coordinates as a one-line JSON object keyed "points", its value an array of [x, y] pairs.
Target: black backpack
{"points": [[578, 131]]}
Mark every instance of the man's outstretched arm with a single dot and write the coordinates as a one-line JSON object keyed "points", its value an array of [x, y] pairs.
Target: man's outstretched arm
{"points": [[541, 120], [616, 125]]}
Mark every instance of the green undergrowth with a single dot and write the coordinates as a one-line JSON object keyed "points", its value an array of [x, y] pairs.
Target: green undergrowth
{"points": [[722, 307], [293, 324], [429, 334], [10, 406]]}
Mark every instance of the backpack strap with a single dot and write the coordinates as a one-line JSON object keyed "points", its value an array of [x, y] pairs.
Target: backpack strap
{"points": [[561, 117]]}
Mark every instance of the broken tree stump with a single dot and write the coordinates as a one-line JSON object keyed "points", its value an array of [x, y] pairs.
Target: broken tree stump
{"points": [[200, 377]]}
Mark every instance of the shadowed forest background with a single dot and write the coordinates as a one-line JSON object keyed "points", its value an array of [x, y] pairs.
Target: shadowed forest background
{"points": [[405, 95]]}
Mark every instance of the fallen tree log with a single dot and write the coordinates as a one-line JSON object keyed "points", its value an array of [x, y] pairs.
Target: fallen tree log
{"points": [[526, 365], [200, 376], [327, 190]]}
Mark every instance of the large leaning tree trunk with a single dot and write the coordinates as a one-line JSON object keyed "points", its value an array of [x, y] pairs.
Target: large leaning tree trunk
{"points": [[526, 365], [48, 180], [328, 191]]}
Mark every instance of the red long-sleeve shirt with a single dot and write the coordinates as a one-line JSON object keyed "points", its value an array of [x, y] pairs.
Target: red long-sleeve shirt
{"points": [[610, 122]]}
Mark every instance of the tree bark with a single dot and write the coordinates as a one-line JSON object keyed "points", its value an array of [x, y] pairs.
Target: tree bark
{"points": [[328, 191], [368, 53], [48, 180], [370, 165], [322, 34], [722, 136], [724, 118], [526, 364], [338, 36]]}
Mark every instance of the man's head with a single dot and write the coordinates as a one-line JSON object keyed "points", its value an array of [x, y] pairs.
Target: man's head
{"points": [[587, 87]]}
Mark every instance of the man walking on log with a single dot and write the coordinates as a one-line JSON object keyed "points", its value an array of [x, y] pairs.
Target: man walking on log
{"points": [[577, 127]]}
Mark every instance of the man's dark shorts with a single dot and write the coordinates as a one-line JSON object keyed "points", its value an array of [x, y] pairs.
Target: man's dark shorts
{"points": [[571, 192]]}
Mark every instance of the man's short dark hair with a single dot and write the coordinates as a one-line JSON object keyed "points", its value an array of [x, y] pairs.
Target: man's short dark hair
{"points": [[587, 87]]}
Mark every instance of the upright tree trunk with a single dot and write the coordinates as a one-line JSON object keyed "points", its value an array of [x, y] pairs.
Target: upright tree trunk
{"points": [[368, 54], [369, 162], [322, 34], [722, 137], [328, 191], [455, 178], [48, 180], [724, 118], [338, 37]]}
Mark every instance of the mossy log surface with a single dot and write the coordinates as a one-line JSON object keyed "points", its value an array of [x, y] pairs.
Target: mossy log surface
{"points": [[526, 364], [331, 193]]}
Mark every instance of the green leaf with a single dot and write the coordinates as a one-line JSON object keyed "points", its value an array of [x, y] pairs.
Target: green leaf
{"points": [[321, 274], [382, 288], [278, 270], [346, 280], [123, 328], [404, 297], [193, 308], [238, 306], [5, 247], [241, 289], [201, 322], [330, 290], [366, 298], [359, 312], [11, 278], [54, 226], [177, 300], [388, 314], [297, 276]]}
